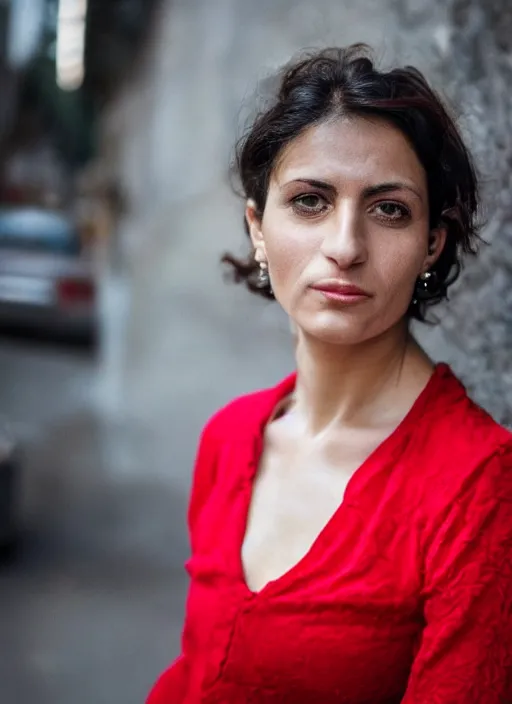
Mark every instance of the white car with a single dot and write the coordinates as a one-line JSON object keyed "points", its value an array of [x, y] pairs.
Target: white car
{"points": [[47, 283]]}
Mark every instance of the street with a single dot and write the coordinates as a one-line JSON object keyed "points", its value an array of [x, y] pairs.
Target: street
{"points": [[100, 561]]}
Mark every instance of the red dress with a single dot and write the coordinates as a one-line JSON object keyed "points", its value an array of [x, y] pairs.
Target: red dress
{"points": [[404, 597]]}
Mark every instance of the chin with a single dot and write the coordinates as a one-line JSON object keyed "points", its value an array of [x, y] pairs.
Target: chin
{"points": [[339, 328]]}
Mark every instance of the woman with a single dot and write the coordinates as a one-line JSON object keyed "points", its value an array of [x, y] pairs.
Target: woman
{"points": [[351, 528]]}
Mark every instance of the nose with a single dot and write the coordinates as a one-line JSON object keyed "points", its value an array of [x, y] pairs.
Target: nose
{"points": [[344, 241]]}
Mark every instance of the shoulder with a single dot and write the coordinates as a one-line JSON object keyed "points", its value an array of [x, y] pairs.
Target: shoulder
{"points": [[465, 449], [247, 414], [455, 425], [240, 420], [461, 486]]}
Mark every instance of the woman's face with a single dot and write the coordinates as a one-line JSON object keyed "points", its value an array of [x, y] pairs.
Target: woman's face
{"points": [[345, 230]]}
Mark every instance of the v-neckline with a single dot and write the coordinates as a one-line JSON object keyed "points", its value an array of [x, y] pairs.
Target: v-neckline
{"points": [[383, 448]]}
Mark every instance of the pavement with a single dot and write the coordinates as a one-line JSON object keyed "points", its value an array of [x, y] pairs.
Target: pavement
{"points": [[91, 605]]}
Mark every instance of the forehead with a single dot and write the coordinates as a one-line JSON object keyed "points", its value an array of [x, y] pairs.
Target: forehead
{"points": [[351, 149]]}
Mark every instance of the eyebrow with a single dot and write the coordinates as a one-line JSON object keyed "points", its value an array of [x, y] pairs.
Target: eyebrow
{"points": [[368, 192]]}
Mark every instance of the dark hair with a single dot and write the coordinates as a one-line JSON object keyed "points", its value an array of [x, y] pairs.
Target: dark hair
{"points": [[344, 81]]}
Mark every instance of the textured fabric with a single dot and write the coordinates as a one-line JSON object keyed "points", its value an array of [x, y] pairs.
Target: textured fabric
{"points": [[405, 596]]}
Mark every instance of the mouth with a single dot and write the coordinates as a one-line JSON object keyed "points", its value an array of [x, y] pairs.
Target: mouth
{"points": [[342, 293]]}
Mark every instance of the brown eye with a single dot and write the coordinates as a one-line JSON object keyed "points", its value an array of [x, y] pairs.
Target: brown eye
{"points": [[309, 204], [393, 212]]}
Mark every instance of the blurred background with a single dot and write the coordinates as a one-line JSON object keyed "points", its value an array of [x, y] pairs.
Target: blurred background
{"points": [[118, 335]]}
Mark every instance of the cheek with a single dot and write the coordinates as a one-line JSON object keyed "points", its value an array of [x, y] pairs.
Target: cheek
{"points": [[289, 250], [397, 270]]}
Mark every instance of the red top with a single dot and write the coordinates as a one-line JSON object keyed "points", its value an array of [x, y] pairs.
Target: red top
{"points": [[406, 594]]}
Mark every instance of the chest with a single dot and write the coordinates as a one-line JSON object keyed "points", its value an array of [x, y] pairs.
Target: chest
{"points": [[297, 492], [331, 563]]}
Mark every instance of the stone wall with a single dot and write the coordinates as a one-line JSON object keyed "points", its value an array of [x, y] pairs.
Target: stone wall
{"points": [[475, 69]]}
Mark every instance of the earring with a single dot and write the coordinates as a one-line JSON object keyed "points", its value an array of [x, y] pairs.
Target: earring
{"points": [[263, 277], [424, 286]]}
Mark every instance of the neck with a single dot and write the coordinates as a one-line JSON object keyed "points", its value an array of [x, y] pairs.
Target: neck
{"points": [[353, 385]]}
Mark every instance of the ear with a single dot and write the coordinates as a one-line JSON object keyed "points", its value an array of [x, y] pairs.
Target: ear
{"points": [[253, 219], [436, 242]]}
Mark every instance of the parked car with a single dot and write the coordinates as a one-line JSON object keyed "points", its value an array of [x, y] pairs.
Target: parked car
{"points": [[9, 490], [47, 283]]}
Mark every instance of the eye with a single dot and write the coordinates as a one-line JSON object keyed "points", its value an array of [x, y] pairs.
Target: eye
{"points": [[309, 204], [391, 211]]}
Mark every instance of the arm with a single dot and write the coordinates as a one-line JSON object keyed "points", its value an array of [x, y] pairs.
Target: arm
{"points": [[172, 685], [465, 654]]}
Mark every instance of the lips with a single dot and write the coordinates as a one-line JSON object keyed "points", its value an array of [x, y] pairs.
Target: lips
{"points": [[341, 289]]}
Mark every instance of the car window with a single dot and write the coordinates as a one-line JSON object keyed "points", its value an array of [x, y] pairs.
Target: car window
{"points": [[32, 229]]}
